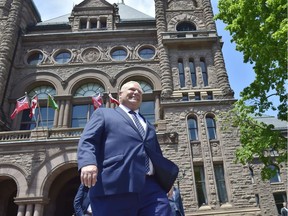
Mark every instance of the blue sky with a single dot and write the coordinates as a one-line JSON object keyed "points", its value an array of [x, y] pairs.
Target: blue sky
{"points": [[240, 74]]}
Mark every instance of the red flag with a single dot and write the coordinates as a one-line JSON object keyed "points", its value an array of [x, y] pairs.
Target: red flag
{"points": [[33, 106], [21, 104], [113, 100], [97, 101]]}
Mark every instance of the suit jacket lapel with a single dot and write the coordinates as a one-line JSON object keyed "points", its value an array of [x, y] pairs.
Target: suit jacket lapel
{"points": [[129, 120]]}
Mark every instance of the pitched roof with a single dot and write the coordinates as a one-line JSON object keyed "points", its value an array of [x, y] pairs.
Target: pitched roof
{"points": [[127, 14], [278, 124]]}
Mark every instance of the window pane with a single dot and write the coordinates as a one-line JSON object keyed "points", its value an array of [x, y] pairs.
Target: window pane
{"points": [[147, 110], [211, 127], [220, 182], [200, 185], [88, 89], [119, 55], [63, 57], [193, 130], [181, 74], [193, 73], [204, 72], [81, 114], [145, 87], [42, 92], [35, 58], [146, 53], [276, 177], [186, 26]]}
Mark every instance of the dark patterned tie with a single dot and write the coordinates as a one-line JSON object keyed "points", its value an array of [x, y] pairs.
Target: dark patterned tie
{"points": [[142, 132]]}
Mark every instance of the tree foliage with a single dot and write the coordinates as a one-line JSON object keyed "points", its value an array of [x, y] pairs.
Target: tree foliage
{"points": [[259, 30]]}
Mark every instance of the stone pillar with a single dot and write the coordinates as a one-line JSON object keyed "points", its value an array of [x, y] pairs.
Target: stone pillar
{"points": [[38, 211], [66, 114], [21, 210], [157, 108], [88, 24], [98, 24], [56, 117], [29, 210], [61, 113]]}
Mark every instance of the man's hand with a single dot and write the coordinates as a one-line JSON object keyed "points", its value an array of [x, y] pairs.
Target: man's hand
{"points": [[89, 175]]}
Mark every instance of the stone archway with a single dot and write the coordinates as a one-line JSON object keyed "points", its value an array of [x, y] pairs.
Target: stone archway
{"points": [[8, 190], [62, 192]]}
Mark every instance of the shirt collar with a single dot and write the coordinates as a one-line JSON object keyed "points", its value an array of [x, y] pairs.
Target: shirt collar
{"points": [[126, 109]]}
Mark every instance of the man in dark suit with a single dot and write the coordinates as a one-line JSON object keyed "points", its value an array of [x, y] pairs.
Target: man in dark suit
{"points": [[120, 160], [82, 202]]}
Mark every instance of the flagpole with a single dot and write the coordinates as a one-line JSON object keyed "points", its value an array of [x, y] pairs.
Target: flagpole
{"points": [[47, 110]]}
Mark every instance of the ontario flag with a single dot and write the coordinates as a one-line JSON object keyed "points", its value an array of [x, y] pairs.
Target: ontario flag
{"points": [[33, 106], [21, 104], [113, 100], [97, 101]]}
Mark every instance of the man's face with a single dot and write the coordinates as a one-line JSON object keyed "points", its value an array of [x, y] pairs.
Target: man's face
{"points": [[131, 95]]}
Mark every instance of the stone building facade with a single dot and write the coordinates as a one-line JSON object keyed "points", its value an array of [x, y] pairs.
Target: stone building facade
{"points": [[176, 57]]}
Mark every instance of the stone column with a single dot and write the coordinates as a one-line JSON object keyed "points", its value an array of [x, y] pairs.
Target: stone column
{"points": [[66, 114], [56, 117], [21, 210], [61, 113], [29, 210], [157, 108], [38, 211]]}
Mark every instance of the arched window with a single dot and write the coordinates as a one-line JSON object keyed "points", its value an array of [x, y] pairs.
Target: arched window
{"points": [[204, 71], [44, 114], [211, 128], [63, 57], [83, 109], [186, 26], [276, 177], [193, 128], [192, 72], [181, 73]]}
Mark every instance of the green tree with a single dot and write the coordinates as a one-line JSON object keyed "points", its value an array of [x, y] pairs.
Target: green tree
{"points": [[259, 30]]}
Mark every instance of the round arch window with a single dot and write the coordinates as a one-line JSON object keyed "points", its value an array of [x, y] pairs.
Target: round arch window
{"points": [[63, 57], [147, 88], [146, 53], [185, 26], [88, 89], [119, 54], [42, 92], [35, 58]]}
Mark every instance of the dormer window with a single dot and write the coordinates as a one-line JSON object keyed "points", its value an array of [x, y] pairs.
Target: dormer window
{"points": [[93, 23], [103, 23]]}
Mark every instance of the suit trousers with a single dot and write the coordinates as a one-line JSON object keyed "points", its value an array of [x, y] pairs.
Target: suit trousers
{"points": [[151, 201]]}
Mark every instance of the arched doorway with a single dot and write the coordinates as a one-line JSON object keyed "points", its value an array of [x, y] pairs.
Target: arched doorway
{"points": [[8, 192], [62, 193]]}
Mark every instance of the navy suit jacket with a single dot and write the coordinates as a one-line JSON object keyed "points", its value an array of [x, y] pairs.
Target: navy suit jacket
{"points": [[112, 142], [81, 201]]}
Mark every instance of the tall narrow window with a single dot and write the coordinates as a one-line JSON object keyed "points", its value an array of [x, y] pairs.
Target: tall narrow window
{"points": [[193, 128], [192, 72], [181, 73], [204, 71], [276, 177], [211, 128], [200, 185], [251, 174], [220, 183]]}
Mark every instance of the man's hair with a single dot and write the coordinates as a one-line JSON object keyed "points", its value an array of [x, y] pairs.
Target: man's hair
{"points": [[127, 83]]}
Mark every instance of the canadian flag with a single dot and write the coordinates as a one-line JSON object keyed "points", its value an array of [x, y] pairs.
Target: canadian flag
{"points": [[33, 106], [21, 104], [113, 100], [97, 101]]}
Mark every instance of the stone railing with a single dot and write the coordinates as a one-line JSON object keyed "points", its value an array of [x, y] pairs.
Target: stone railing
{"points": [[40, 133], [188, 34]]}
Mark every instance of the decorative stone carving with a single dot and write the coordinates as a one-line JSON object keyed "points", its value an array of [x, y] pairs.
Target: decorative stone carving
{"points": [[90, 55]]}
